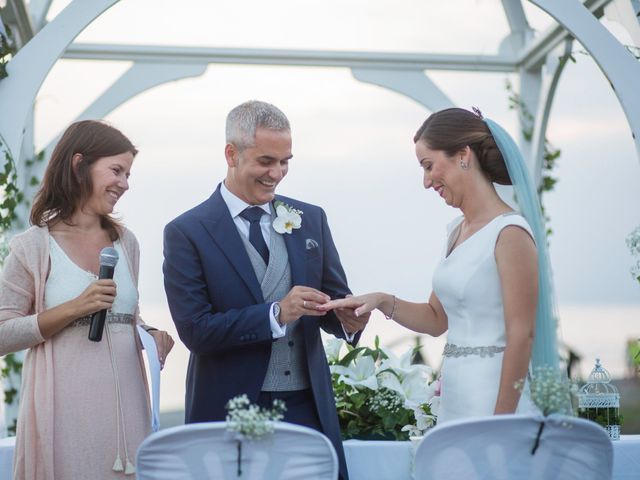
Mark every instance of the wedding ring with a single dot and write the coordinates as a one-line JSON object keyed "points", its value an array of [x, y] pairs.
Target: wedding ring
{"points": [[304, 304]]}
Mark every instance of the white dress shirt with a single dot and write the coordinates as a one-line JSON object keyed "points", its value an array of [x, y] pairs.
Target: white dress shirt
{"points": [[236, 206]]}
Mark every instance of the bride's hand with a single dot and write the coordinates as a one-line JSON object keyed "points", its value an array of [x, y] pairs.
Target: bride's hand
{"points": [[360, 304]]}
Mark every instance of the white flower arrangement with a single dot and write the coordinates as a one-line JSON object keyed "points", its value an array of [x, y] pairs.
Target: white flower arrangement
{"points": [[250, 421], [633, 242], [380, 395], [287, 218], [551, 390]]}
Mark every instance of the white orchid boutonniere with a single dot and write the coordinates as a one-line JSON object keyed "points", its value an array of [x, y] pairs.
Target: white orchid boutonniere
{"points": [[287, 218]]}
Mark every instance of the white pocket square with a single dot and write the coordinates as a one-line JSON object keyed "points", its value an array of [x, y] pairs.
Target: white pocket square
{"points": [[311, 243]]}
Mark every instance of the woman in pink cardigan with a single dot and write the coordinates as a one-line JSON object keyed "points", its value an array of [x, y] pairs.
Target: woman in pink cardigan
{"points": [[84, 405]]}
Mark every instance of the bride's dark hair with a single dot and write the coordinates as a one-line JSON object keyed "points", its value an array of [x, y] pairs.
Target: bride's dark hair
{"points": [[453, 129]]}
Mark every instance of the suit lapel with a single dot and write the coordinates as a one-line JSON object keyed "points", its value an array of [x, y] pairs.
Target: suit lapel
{"points": [[296, 250], [224, 232]]}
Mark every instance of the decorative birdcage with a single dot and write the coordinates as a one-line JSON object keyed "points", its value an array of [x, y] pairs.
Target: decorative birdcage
{"points": [[599, 401]]}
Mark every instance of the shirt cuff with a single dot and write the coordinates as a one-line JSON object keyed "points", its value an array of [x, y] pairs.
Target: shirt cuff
{"points": [[348, 336], [277, 331]]}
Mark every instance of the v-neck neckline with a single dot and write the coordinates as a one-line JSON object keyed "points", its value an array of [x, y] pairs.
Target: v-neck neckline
{"points": [[451, 247], [66, 255]]}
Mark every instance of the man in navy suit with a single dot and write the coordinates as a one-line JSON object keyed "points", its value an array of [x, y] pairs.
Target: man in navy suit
{"points": [[244, 273]]}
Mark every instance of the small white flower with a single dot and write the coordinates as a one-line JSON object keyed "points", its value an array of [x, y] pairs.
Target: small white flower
{"points": [[633, 242], [250, 421], [287, 218], [4, 248]]}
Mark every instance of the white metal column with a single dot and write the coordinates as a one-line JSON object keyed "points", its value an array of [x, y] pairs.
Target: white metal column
{"points": [[620, 67]]}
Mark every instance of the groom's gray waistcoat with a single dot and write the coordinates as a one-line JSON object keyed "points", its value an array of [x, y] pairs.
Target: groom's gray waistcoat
{"points": [[287, 364]]}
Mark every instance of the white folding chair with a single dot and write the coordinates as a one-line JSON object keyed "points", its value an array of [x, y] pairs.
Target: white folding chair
{"points": [[203, 451], [504, 447]]}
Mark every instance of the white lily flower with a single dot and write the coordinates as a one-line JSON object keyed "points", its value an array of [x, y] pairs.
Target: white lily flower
{"points": [[390, 381], [286, 220], [332, 349], [361, 372], [402, 365], [414, 387], [434, 403], [423, 420], [413, 430]]}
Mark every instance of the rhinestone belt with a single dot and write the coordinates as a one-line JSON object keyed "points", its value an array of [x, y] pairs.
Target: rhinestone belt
{"points": [[451, 350], [111, 318]]}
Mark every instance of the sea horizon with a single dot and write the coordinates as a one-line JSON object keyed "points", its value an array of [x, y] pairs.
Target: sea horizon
{"points": [[590, 331]]}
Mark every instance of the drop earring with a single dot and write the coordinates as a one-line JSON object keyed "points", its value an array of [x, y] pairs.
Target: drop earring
{"points": [[463, 165]]}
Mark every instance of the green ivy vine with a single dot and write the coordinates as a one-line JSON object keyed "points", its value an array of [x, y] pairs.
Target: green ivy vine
{"points": [[12, 197], [11, 194], [551, 153], [7, 50]]}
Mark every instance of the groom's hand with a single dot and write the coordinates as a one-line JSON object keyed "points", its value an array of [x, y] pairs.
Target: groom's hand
{"points": [[302, 301]]}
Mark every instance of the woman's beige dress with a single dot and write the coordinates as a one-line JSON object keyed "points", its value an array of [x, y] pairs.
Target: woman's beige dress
{"points": [[84, 405]]}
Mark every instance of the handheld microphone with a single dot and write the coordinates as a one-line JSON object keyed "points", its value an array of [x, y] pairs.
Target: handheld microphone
{"points": [[108, 260]]}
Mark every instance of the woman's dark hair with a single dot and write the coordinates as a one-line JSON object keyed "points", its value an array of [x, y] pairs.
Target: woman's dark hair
{"points": [[64, 190], [453, 129]]}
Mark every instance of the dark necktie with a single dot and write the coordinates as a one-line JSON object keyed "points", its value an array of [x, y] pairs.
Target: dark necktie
{"points": [[254, 214]]}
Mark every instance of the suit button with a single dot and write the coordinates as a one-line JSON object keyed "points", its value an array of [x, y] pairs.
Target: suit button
{"points": [[291, 343], [287, 372]]}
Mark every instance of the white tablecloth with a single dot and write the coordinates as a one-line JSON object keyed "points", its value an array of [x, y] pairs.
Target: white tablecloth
{"points": [[392, 460], [6, 457], [367, 460]]}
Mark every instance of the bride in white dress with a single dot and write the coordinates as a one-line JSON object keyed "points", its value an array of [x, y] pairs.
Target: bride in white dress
{"points": [[485, 288]]}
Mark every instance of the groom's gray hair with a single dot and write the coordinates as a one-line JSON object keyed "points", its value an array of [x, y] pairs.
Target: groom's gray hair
{"points": [[246, 118]]}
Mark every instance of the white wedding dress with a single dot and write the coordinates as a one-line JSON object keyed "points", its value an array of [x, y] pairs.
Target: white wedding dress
{"points": [[467, 284]]}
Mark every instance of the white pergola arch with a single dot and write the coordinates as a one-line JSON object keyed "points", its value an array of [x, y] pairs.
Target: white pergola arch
{"points": [[534, 59]]}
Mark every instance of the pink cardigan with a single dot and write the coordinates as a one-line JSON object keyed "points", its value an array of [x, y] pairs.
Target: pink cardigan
{"points": [[22, 287]]}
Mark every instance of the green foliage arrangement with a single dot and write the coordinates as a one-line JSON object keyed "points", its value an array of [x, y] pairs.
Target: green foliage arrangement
{"points": [[602, 416], [380, 396]]}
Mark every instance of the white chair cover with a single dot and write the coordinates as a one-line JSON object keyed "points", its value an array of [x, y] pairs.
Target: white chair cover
{"points": [[207, 451], [499, 448]]}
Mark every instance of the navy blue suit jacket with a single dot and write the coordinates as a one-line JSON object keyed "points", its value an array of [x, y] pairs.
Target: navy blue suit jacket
{"points": [[217, 305]]}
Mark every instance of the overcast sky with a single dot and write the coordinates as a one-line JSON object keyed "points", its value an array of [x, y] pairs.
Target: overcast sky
{"points": [[352, 146]]}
